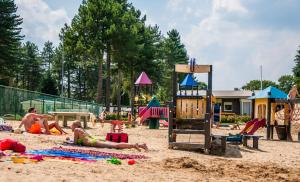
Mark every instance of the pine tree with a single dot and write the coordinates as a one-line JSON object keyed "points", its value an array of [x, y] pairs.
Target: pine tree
{"points": [[9, 37], [296, 69], [173, 52], [30, 68], [47, 55]]}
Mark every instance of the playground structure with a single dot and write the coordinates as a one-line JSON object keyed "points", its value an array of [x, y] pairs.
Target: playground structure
{"points": [[153, 111], [191, 113], [143, 89], [272, 104]]}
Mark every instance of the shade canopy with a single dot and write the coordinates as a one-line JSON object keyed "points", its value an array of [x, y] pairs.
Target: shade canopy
{"points": [[188, 81], [143, 80], [270, 93]]}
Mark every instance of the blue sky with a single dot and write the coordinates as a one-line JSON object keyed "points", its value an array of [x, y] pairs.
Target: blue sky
{"points": [[235, 36]]}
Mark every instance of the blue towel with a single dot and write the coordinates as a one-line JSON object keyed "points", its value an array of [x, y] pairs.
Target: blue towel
{"points": [[59, 153]]}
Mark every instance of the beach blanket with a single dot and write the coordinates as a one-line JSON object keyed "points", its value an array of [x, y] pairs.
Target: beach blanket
{"points": [[99, 153], [80, 154]]}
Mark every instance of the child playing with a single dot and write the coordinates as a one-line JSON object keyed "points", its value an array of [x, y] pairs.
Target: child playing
{"points": [[81, 137]]}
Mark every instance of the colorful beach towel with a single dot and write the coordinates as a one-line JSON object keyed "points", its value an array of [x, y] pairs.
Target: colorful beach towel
{"points": [[80, 154], [99, 153]]}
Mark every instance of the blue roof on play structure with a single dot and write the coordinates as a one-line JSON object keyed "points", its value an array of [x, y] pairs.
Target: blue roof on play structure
{"points": [[271, 93], [189, 81]]}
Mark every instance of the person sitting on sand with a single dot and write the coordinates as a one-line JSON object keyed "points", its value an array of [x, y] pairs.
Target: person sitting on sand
{"points": [[81, 137], [31, 120]]}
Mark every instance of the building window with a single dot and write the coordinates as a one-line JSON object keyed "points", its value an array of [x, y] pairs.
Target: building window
{"points": [[228, 106], [246, 108]]}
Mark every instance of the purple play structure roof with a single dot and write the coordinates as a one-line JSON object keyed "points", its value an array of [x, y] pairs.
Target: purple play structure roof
{"points": [[143, 80]]}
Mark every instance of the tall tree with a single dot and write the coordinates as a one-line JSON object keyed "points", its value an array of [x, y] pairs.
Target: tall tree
{"points": [[255, 85], [30, 69], [286, 82], [296, 69], [47, 55], [48, 85], [173, 52], [10, 37]]}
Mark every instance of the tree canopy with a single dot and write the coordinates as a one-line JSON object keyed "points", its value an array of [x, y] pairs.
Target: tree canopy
{"points": [[255, 84], [10, 37]]}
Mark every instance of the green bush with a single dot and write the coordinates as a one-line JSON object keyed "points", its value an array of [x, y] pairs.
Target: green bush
{"points": [[235, 119], [245, 119], [111, 116]]}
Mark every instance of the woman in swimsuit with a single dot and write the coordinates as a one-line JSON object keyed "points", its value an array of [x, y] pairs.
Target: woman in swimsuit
{"points": [[81, 137]]}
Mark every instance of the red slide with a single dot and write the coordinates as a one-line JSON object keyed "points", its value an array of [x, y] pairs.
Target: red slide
{"points": [[248, 125], [256, 126], [146, 115]]}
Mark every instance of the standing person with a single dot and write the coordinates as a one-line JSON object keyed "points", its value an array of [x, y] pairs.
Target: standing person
{"points": [[102, 118], [32, 120], [129, 118], [293, 93]]}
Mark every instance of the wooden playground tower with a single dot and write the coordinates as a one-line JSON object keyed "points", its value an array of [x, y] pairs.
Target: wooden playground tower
{"points": [[191, 113]]}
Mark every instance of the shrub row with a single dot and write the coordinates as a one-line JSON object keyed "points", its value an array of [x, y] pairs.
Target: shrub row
{"points": [[235, 119]]}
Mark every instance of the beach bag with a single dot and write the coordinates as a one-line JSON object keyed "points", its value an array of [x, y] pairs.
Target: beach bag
{"points": [[117, 137], [9, 144]]}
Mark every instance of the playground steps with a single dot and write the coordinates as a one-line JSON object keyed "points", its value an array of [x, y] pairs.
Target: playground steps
{"points": [[187, 131], [186, 145]]}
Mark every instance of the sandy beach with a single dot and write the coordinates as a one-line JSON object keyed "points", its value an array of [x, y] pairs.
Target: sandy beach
{"points": [[274, 161]]}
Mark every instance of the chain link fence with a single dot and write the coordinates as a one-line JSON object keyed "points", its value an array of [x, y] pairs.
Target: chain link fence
{"points": [[15, 102]]}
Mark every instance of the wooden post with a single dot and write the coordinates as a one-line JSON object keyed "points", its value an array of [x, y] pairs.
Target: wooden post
{"points": [[269, 120], [255, 142], [253, 109], [208, 111], [85, 122], [172, 106], [65, 121], [223, 144], [245, 141]]}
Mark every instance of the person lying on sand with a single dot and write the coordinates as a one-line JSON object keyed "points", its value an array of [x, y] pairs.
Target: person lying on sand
{"points": [[81, 137], [32, 120]]}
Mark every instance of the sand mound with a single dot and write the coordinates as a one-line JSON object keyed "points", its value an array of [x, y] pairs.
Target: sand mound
{"points": [[183, 163], [264, 172], [231, 169]]}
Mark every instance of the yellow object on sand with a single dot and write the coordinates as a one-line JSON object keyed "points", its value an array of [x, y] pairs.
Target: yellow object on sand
{"points": [[54, 131], [18, 159]]}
